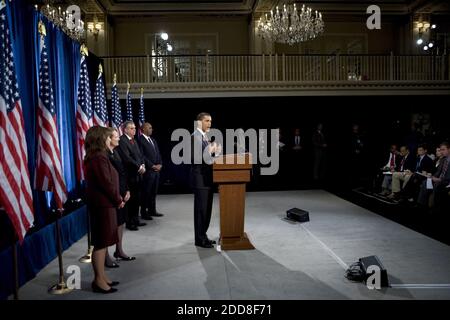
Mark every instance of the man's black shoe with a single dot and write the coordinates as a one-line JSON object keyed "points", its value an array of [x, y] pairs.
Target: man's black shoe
{"points": [[141, 224], [157, 214], [132, 228], [147, 218], [207, 245]]}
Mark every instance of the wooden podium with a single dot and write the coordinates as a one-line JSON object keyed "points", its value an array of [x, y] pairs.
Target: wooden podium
{"points": [[231, 172]]}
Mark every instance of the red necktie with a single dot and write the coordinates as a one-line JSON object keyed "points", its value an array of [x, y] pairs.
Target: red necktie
{"points": [[392, 160], [132, 141]]}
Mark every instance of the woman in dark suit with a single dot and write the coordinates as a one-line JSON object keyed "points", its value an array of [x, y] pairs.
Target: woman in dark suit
{"points": [[103, 199], [124, 190]]}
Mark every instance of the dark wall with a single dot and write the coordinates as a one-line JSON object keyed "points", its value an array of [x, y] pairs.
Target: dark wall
{"points": [[383, 120]]}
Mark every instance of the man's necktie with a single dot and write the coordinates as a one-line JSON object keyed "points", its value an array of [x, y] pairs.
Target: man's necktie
{"points": [[392, 164], [402, 163], [444, 168], [132, 141], [151, 142]]}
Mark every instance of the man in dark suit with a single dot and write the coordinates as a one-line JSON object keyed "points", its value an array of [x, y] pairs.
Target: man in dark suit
{"points": [[296, 159], [150, 179], [440, 181], [134, 164], [202, 179], [320, 147], [424, 165]]}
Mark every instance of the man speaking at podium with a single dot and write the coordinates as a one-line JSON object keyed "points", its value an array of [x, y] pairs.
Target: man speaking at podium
{"points": [[202, 151]]}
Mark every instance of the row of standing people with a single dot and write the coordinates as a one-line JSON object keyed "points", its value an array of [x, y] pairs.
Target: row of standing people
{"points": [[121, 177]]}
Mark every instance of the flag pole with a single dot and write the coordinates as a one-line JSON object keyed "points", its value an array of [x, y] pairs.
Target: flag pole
{"points": [[87, 258], [61, 286]]}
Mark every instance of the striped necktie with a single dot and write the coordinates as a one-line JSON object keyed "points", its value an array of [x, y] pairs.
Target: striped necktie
{"points": [[204, 142], [444, 168]]}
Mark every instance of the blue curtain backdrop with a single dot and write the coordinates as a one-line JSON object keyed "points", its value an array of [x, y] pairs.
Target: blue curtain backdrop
{"points": [[64, 56], [39, 247]]}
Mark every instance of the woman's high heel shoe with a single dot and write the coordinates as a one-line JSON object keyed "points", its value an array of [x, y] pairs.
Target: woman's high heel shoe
{"points": [[113, 265], [97, 289], [119, 257], [113, 284]]}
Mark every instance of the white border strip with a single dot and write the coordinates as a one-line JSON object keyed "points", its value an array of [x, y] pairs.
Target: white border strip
{"points": [[326, 248], [393, 286]]}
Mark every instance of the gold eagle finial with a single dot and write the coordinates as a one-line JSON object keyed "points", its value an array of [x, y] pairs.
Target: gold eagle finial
{"points": [[84, 50], [41, 29]]}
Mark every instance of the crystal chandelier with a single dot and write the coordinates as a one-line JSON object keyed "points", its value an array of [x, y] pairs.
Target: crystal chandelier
{"points": [[64, 20], [291, 25]]}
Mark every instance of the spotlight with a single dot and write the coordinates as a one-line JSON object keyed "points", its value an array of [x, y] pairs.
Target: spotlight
{"points": [[425, 48], [433, 26], [419, 41], [169, 47], [164, 36], [430, 45]]}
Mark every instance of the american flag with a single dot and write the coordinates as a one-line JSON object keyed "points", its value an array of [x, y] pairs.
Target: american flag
{"points": [[116, 121], [129, 110], [84, 114], [141, 109], [48, 174], [100, 116], [15, 189]]}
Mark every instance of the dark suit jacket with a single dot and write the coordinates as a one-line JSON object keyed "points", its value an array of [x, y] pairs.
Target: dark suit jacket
{"points": [[292, 144], [398, 159], [357, 143], [201, 173], [102, 182], [318, 140], [446, 178], [151, 154], [131, 158], [425, 165], [408, 164], [118, 165]]}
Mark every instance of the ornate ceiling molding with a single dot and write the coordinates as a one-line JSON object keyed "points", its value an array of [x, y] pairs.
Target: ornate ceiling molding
{"points": [[155, 7], [254, 7]]}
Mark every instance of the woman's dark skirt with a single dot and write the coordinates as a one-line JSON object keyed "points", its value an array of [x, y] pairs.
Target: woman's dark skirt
{"points": [[121, 216], [103, 227]]}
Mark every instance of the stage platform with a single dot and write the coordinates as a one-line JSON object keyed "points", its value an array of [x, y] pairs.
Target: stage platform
{"points": [[291, 260]]}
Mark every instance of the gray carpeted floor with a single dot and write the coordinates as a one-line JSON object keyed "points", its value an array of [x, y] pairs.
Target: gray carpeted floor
{"points": [[291, 260]]}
